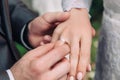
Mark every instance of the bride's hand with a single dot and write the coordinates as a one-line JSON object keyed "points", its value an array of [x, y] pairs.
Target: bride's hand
{"points": [[77, 32]]}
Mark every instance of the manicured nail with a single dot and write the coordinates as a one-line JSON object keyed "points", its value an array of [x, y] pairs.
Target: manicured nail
{"points": [[72, 78], [89, 67], [79, 76]]}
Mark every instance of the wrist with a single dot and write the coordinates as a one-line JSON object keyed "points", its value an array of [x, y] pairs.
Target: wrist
{"points": [[80, 12]]}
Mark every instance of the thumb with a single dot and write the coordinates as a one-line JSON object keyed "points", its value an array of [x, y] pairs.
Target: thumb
{"points": [[53, 17]]}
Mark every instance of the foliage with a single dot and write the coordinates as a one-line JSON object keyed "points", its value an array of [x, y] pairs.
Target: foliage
{"points": [[96, 9]]}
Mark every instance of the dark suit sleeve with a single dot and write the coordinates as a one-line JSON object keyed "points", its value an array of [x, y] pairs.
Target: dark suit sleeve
{"points": [[20, 15], [4, 75]]}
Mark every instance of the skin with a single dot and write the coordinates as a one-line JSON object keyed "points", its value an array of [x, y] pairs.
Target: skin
{"points": [[77, 32], [32, 66], [29, 66], [76, 22], [41, 28]]}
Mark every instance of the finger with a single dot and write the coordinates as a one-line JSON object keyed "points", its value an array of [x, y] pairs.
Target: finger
{"points": [[54, 55], [42, 50], [63, 78], [61, 69], [65, 37], [89, 68], [84, 57], [38, 26], [74, 55], [57, 32], [46, 39], [35, 40], [59, 43], [56, 17], [55, 36]]}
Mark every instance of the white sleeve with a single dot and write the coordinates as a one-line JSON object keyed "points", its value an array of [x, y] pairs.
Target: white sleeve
{"points": [[69, 4], [10, 74], [22, 40]]}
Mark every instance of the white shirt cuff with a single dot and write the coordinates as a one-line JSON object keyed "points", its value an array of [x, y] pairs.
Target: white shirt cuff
{"points": [[10, 74], [21, 37], [69, 4]]}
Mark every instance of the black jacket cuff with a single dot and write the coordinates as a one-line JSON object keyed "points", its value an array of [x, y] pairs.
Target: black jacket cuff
{"points": [[4, 75]]}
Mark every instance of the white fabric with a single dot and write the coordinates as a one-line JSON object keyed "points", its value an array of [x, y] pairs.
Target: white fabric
{"points": [[10, 74], [112, 5], [108, 57], [111, 13], [69, 4], [43, 6]]}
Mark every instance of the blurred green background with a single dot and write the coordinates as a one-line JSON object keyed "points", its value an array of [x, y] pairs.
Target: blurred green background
{"points": [[96, 13], [96, 17]]}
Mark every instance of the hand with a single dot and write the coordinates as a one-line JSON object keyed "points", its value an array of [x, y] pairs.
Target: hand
{"points": [[41, 28], [77, 32], [43, 63]]}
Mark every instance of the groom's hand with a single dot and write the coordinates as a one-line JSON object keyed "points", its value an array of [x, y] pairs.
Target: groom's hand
{"points": [[41, 28], [43, 63]]}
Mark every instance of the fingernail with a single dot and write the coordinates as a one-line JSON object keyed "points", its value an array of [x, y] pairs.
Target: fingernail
{"points": [[72, 78], [42, 43], [89, 67], [47, 37], [79, 76]]}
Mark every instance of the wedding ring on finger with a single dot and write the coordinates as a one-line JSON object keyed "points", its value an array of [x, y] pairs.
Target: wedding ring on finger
{"points": [[63, 41]]}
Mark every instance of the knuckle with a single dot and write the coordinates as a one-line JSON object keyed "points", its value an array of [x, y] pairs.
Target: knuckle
{"points": [[33, 23], [41, 63], [46, 16], [85, 54], [74, 53], [35, 67]]}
